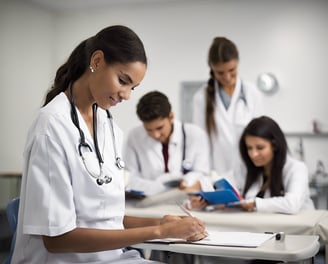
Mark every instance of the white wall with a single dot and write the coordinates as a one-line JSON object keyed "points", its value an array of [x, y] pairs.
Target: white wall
{"points": [[26, 52], [288, 38]]}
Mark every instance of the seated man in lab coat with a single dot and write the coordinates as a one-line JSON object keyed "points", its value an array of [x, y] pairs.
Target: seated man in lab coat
{"points": [[163, 153]]}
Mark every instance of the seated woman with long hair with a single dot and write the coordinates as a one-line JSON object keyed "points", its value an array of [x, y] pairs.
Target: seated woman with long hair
{"points": [[273, 181]]}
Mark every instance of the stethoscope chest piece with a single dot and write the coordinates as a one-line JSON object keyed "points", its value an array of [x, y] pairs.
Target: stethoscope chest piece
{"points": [[186, 166], [120, 163], [106, 179]]}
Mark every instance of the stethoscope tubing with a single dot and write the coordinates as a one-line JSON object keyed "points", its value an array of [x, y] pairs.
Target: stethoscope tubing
{"points": [[83, 144]]}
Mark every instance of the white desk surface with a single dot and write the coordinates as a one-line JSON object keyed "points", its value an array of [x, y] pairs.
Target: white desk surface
{"points": [[304, 223], [294, 248]]}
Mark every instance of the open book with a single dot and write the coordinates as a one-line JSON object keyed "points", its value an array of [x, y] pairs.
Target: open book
{"points": [[228, 239], [224, 193]]}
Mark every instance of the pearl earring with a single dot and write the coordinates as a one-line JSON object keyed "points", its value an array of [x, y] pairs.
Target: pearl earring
{"points": [[91, 69]]}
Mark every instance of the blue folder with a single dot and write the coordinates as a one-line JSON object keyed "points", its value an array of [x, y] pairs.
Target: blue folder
{"points": [[224, 194]]}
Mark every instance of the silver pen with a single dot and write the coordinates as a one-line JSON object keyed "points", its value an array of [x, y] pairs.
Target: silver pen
{"points": [[184, 209]]}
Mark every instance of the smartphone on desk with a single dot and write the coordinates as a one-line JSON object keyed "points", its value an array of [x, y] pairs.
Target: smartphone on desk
{"points": [[135, 195], [173, 183]]}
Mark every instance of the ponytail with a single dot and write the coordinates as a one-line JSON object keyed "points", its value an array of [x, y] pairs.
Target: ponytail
{"points": [[69, 71], [222, 50], [210, 106]]}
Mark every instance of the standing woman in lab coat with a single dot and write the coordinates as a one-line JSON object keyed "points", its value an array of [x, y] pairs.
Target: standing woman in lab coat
{"points": [[72, 194], [225, 106]]}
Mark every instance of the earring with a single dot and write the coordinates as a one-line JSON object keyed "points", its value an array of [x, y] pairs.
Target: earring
{"points": [[91, 69]]}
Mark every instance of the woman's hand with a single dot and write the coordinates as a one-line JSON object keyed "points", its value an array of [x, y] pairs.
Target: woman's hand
{"points": [[186, 227], [169, 218], [248, 206], [197, 202], [196, 187]]}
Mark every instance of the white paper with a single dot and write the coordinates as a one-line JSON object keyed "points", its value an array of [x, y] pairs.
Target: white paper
{"points": [[235, 239], [230, 239]]}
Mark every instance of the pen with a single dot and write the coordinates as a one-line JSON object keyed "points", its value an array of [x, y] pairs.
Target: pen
{"points": [[184, 209]]}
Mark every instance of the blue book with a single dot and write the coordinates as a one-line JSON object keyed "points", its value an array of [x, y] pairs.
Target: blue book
{"points": [[225, 194]]}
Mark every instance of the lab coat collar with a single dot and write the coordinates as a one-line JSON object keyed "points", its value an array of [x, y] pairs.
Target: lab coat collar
{"points": [[176, 135]]}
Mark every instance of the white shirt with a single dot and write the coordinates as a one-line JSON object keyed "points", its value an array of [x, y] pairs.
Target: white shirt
{"points": [[297, 192], [144, 159], [230, 123], [58, 194]]}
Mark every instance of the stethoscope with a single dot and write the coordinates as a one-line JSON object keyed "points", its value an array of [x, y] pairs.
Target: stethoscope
{"points": [[186, 165], [242, 95], [100, 178]]}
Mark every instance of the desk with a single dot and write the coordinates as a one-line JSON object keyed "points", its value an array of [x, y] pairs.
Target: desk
{"points": [[293, 249], [304, 223]]}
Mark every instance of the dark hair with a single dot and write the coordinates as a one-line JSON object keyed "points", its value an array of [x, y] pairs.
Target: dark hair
{"points": [[222, 50], [266, 128], [153, 105], [119, 45]]}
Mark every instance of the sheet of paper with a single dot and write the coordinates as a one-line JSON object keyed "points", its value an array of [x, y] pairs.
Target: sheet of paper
{"points": [[235, 239], [219, 238]]}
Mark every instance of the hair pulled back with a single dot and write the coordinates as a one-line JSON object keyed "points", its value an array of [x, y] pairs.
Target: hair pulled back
{"points": [[222, 50], [118, 43]]}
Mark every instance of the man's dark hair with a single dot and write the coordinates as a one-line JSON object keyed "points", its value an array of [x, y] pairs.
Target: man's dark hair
{"points": [[153, 105]]}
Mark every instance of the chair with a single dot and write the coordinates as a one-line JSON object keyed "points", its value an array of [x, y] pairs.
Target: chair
{"points": [[12, 215]]}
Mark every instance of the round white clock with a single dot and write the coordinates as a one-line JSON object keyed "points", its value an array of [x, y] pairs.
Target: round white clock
{"points": [[267, 83]]}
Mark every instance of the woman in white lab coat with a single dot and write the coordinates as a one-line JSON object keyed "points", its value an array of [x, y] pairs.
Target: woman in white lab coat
{"points": [[225, 106], [187, 146], [275, 182], [72, 194]]}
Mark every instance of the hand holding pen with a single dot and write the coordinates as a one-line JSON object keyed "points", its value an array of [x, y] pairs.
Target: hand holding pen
{"points": [[200, 223]]}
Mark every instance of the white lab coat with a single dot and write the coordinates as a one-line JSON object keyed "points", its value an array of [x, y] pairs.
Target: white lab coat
{"points": [[58, 194], [144, 159], [230, 124], [296, 183], [297, 192]]}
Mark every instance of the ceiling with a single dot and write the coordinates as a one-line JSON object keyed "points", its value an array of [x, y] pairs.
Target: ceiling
{"points": [[67, 5]]}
